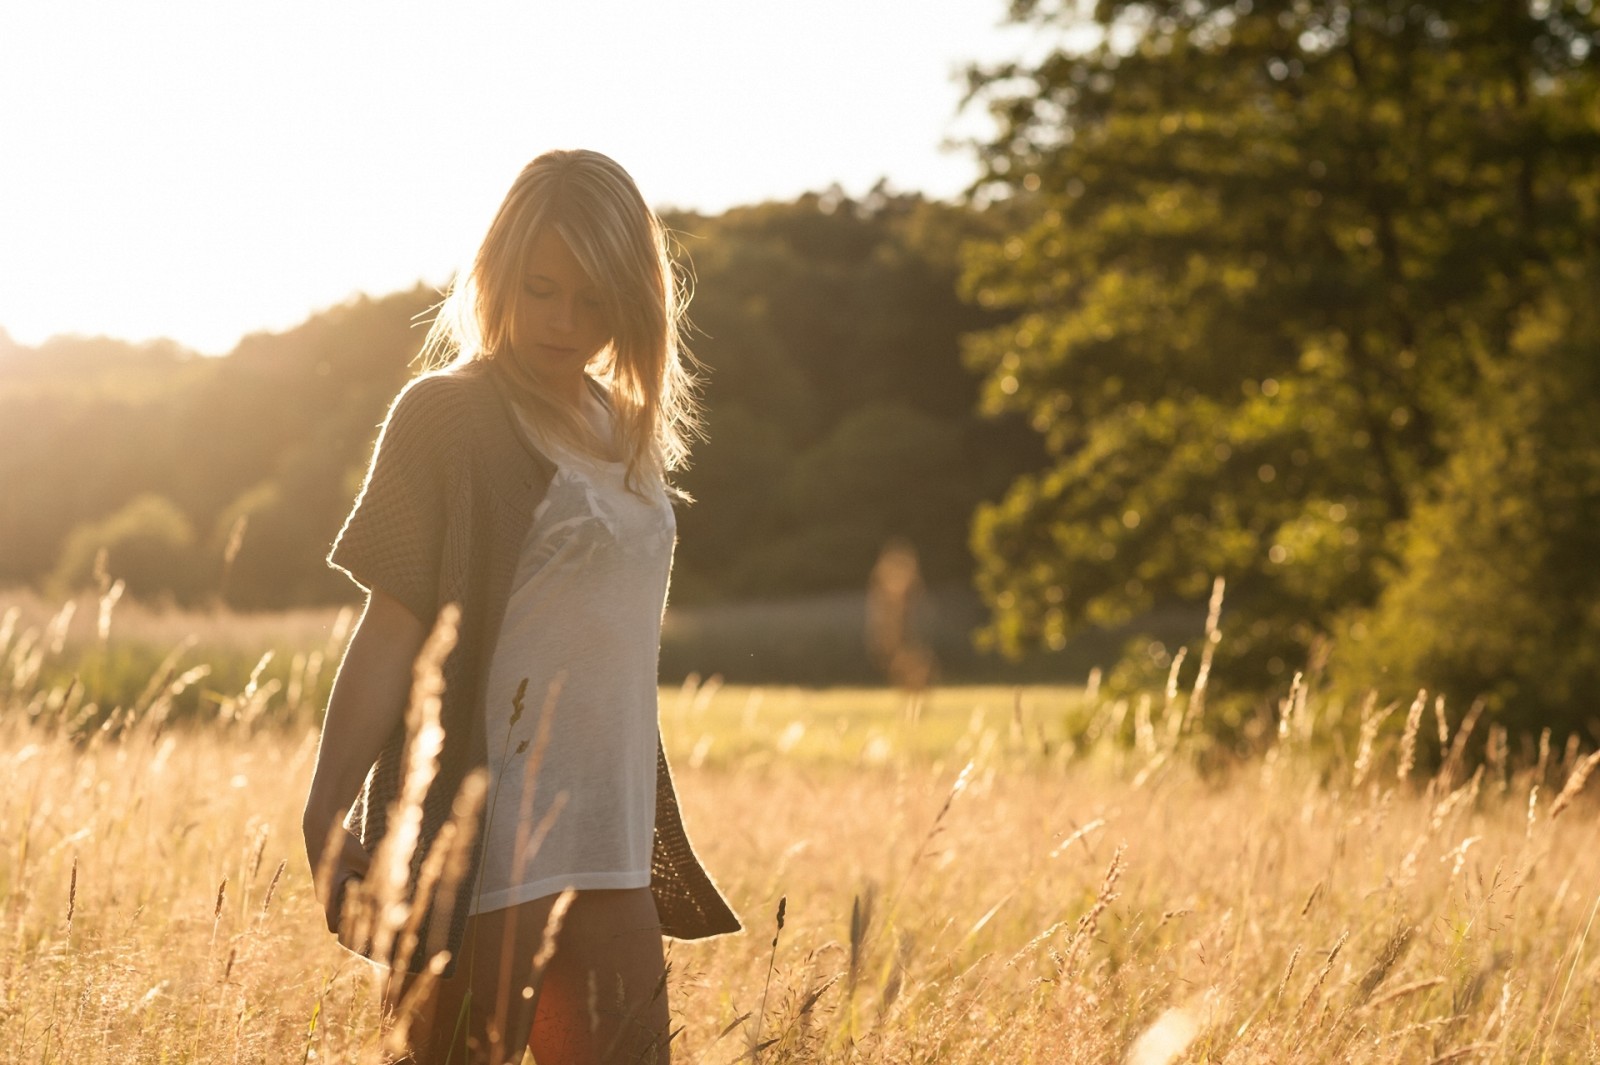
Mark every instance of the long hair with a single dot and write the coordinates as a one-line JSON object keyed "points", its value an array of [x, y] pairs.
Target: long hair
{"points": [[595, 207]]}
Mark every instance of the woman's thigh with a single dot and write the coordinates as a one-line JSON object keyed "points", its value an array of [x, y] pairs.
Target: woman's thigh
{"points": [[604, 995], [601, 998], [485, 1008]]}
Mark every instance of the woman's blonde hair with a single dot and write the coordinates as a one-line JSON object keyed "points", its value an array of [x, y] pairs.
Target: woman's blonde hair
{"points": [[595, 207]]}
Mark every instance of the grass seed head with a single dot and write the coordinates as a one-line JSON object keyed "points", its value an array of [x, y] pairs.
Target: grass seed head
{"points": [[1408, 739], [1575, 782], [72, 895], [272, 885]]}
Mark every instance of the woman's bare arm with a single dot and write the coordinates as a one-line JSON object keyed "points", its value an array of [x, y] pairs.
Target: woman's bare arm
{"points": [[369, 698]]}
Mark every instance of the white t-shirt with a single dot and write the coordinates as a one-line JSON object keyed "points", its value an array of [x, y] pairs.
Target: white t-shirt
{"points": [[583, 620]]}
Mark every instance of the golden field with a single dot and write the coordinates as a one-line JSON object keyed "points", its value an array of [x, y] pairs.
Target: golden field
{"points": [[990, 876]]}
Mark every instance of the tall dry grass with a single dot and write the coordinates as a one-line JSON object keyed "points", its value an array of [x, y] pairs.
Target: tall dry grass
{"points": [[1029, 888]]}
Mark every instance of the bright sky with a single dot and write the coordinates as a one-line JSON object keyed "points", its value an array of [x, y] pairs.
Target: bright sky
{"points": [[201, 170]]}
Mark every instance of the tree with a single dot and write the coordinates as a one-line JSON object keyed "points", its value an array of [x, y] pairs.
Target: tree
{"points": [[839, 412], [840, 416], [1496, 591], [1276, 258]]}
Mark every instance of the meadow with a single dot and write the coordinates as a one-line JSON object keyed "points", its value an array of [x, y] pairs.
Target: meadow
{"points": [[968, 875]]}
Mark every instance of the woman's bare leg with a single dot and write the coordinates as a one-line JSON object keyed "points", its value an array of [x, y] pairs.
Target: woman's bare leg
{"points": [[603, 999], [480, 1014]]}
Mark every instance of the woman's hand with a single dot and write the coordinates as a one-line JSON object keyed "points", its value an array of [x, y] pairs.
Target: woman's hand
{"points": [[336, 858], [367, 704]]}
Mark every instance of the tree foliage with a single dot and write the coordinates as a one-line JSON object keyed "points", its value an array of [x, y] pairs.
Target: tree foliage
{"points": [[1278, 300], [1497, 586], [92, 431], [840, 417], [146, 543]]}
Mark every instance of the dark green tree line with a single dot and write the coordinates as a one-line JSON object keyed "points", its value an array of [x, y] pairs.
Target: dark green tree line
{"points": [[1305, 301], [154, 454], [840, 417]]}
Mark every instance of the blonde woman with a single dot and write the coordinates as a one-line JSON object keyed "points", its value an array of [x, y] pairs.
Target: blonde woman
{"points": [[524, 482]]}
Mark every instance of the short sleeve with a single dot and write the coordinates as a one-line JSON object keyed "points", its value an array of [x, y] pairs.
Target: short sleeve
{"points": [[393, 538]]}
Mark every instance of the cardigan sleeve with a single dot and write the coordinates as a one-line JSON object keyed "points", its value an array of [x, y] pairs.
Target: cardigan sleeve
{"points": [[393, 539]]}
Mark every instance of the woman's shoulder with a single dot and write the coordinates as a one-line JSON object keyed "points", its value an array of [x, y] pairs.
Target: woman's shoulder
{"points": [[454, 383], [440, 402]]}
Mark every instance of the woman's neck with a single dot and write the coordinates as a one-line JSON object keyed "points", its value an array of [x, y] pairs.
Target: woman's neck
{"points": [[571, 390]]}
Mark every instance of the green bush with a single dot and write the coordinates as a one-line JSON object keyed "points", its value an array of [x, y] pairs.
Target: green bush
{"points": [[1497, 589], [148, 544]]}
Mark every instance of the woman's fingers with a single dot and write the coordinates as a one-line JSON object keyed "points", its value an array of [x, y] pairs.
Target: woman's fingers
{"points": [[344, 859], [353, 856], [335, 910]]}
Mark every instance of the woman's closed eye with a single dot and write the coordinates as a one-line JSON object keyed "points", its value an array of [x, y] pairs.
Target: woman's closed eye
{"points": [[588, 301]]}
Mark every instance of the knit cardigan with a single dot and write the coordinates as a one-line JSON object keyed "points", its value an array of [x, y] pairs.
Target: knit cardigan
{"points": [[448, 498]]}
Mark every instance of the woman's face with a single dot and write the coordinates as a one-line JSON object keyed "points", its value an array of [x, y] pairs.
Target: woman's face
{"points": [[558, 323]]}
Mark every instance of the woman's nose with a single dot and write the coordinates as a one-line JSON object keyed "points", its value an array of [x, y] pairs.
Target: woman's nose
{"points": [[563, 315]]}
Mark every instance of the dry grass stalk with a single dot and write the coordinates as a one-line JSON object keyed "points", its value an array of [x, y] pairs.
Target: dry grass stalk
{"points": [[1315, 990], [272, 886], [8, 626], [1171, 719], [446, 866], [1213, 636], [1570, 754], [1077, 834], [230, 552], [1576, 953], [1457, 857], [755, 1047], [1090, 921], [55, 637], [962, 780], [107, 604], [1292, 716], [161, 679], [1251, 867], [1408, 739], [1463, 797], [1455, 761], [547, 942], [72, 896], [1401, 991], [1542, 767], [1311, 899], [1390, 953], [530, 837], [860, 924], [1462, 1052], [379, 899], [1497, 754], [258, 850], [1574, 785], [1371, 722], [1144, 732]]}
